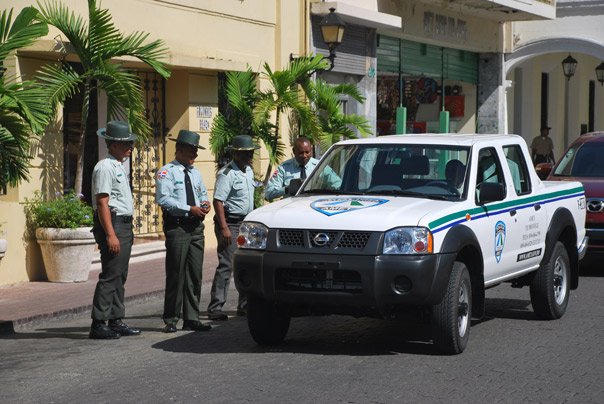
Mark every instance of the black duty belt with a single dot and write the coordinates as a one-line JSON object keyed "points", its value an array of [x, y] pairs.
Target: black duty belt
{"points": [[181, 220], [124, 219]]}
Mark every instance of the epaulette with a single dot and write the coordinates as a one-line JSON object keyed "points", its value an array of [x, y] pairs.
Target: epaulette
{"points": [[227, 170]]}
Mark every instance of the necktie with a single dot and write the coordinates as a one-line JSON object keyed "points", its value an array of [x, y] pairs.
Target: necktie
{"points": [[302, 172], [189, 189]]}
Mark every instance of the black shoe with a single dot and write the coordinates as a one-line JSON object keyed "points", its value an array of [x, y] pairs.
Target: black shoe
{"points": [[102, 331], [218, 315], [241, 312], [169, 328], [122, 328], [192, 325]]}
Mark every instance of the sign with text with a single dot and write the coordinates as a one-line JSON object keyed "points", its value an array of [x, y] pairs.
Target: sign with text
{"points": [[201, 117]]}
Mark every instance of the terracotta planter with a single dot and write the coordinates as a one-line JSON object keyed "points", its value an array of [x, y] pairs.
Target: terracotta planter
{"points": [[67, 253]]}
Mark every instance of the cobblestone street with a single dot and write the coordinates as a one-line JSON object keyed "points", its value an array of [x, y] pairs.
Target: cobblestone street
{"points": [[511, 357]]}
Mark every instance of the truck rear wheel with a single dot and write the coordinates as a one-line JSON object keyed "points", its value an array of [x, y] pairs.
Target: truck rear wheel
{"points": [[550, 287], [266, 323], [452, 316]]}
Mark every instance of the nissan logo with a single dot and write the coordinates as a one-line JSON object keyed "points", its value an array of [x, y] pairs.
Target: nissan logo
{"points": [[595, 205], [321, 239]]}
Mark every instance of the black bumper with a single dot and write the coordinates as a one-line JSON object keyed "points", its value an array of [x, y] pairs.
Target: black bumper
{"points": [[343, 284]]}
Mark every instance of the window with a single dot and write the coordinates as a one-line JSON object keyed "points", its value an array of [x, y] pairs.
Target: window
{"points": [[489, 169], [518, 169]]}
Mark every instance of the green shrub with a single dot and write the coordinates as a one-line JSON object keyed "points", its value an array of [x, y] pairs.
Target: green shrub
{"points": [[66, 211]]}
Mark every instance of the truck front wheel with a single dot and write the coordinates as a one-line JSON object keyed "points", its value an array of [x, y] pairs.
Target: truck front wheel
{"points": [[452, 316], [550, 287], [266, 323]]}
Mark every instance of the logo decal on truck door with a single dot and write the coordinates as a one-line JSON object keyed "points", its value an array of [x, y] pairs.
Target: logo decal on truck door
{"points": [[499, 239], [334, 206]]}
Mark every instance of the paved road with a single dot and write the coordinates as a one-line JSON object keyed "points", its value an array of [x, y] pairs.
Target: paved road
{"points": [[511, 357]]}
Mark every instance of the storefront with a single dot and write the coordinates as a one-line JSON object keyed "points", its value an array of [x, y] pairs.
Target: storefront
{"points": [[412, 75]]}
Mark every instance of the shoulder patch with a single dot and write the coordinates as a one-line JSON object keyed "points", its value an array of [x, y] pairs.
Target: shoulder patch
{"points": [[161, 174]]}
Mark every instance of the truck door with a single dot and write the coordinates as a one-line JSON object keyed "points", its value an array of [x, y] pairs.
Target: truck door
{"points": [[494, 225], [528, 215]]}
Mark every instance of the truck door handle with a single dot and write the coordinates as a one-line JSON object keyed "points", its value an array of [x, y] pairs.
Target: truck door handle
{"points": [[537, 206], [513, 212]]}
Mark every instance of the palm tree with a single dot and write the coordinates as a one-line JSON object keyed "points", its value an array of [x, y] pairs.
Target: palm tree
{"points": [[23, 107], [98, 43], [285, 96], [334, 124]]}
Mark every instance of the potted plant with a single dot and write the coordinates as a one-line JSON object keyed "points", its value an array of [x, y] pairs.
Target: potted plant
{"points": [[63, 230]]}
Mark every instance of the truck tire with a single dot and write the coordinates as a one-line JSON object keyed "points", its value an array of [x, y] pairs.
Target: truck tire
{"points": [[267, 325], [550, 288], [452, 316]]}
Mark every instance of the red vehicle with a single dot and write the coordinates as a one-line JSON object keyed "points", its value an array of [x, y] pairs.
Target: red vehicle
{"points": [[584, 161]]}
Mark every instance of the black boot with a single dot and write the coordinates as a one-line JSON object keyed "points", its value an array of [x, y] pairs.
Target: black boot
{"points": [[122, 328], [100, 330]]}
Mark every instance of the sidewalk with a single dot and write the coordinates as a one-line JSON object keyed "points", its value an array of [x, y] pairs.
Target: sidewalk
{"points": [[30, 302]]}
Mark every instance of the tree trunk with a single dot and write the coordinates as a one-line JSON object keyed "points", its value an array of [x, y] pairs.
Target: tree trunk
{"points": [[82, 141], [269, 169]]}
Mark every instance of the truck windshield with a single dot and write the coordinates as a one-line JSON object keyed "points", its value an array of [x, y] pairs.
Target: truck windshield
{"points": [[417, 170]]}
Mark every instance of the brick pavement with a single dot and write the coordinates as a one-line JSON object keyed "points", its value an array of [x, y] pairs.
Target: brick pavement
{"points": [[30, 302]]}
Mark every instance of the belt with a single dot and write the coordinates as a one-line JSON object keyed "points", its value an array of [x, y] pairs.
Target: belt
{"points": [[234, 219], [181, 220]]}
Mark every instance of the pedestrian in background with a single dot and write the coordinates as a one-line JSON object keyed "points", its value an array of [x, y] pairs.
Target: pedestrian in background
{"points": [[300, 166], [183, 197], [542, 147], [233, 200], [113, 205]]}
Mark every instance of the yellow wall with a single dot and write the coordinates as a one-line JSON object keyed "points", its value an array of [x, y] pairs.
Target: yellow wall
{"points": [[203, 37]]}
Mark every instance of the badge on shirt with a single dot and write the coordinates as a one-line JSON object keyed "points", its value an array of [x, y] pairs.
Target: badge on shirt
{"points": [[162, 174]]}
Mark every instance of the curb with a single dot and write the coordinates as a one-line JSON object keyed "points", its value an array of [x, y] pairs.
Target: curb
{"points": [[7, 328]]}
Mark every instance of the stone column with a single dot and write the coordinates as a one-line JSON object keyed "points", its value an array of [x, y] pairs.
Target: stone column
{"points": [[491, 94]]}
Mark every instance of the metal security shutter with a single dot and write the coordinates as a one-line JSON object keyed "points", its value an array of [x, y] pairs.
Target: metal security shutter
{"points": [[461, 65], [417, 59], [420, 59], [388, 55], [351, 54]]}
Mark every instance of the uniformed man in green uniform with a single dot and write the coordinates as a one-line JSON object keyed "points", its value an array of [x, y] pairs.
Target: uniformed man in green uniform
{"points": [[183, 197], [233, 200], [112, 201]]}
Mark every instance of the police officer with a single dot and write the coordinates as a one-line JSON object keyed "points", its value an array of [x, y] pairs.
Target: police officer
{"points": [[183, 197], [298, 167], [542, 147], [112, 201], [233, 200]]}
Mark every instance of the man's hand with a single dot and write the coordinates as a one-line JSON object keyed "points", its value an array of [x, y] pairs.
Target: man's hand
{"points": [[196, 211], [113, 244], [226, 237]]}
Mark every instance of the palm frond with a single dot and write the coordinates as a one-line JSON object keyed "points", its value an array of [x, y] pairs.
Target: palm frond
{"points": [[73, 26], [22, 32], [14, 157], [61, 82]]}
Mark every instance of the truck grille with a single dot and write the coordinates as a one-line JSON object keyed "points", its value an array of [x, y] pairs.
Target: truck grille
{"points": [[323, 239], [318, 280]]}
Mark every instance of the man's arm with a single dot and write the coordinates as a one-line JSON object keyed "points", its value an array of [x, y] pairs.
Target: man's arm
{"points": [[222, 223], [276, 185], [104, 213]]}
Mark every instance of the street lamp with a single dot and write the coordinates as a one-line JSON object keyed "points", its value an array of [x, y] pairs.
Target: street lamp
{"points": [[600, 73], [332, 30], [569, 66]]}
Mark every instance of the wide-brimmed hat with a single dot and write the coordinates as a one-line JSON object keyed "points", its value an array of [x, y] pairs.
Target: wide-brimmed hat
{"points": [[243, 142], [545, 127], [117, 131], [189, 138]]}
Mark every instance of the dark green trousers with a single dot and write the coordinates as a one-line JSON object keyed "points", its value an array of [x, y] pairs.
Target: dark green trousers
{"points": [[184, 263], [108, 301]]}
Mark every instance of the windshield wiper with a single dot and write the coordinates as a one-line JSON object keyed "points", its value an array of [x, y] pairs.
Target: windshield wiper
{"points": [[330, 192], [396, 192]]}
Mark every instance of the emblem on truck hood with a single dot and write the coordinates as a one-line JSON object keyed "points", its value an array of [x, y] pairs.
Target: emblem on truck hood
{"points": [[334, 206]]}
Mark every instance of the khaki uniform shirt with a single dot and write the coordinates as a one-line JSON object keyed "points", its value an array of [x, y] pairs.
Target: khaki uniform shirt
{"points": [[110, 177], [235, 188], [542, 145]]}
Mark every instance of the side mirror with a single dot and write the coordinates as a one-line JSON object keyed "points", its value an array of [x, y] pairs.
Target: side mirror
{"points": [[294, 186], [490, 192], [543, 170]]}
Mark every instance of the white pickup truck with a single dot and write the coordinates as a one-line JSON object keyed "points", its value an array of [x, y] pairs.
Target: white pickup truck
{"points": [[412, 222]]}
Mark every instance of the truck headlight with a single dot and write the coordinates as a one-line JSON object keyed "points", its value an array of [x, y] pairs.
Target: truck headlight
{"points": [[252, 235], [408, 240]]}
